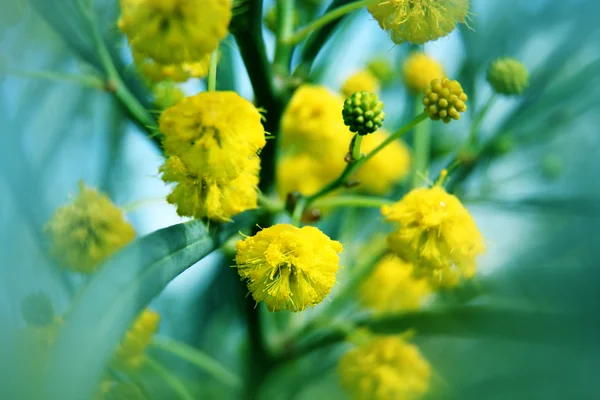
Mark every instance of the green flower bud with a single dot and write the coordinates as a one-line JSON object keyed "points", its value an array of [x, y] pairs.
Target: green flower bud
{"points": [[37, 310], [444, 99], [382, 69], [508, 76], [363, 113]]}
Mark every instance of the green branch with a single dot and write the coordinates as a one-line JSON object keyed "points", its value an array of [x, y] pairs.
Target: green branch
{"points": [[285, 26], [212, 71], [466, 322], [199, 359], [351, 201]]}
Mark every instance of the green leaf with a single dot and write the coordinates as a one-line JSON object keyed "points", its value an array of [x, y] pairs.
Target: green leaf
{"points": [[122, 288]]}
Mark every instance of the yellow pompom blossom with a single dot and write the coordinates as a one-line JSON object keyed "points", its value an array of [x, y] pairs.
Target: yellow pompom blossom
{"points": [[215, 134], [419, 21], [175, 31], [217, 200], [436, 234], [391, 287], [288, 268], [132, 349], [87, 231], [389, 166], [212, 141], [156, 72], [419, 70], [385, 368], [306, 174], [313, 121], [361, 81], [444, 99]]}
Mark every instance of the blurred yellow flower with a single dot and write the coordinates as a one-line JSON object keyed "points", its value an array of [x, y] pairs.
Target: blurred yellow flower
{"points": [[288, 268], [86, 232], [444, 99], [156, 72], [386, 168], [306, 174], [217, 200], [384, 368], [436, 234], [175, 31], [361, 81], [419, 21], [391, 287], [419, 70], [215, 134], [132, 349]]}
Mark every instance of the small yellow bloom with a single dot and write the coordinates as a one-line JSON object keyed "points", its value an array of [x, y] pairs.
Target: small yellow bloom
{"points": [[156, 72], [392, 288], [386, 168], [86, 232], [288, 268], [445, 99], [436, 234], [419, 70], [306, 174], [419, 21], [508, 76], [313, 120], [132, 350], [385, 368], [175, 31], [361, 81], [218, 200], [215, 134]]}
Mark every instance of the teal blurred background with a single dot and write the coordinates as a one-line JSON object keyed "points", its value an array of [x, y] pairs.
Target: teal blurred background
{"points": [[537, 205]]}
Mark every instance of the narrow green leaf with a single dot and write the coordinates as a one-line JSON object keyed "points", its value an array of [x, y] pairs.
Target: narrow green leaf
{"points": [[122, 288]]}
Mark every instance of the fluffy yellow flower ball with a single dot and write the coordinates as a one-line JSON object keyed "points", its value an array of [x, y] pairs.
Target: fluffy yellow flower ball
{"points": [[384, 368], [215, 134], [86, 232], [312, 120], [217, 200], [306, 174], [419, 70], [388, 167], [419, 21], [436, 234], [288, 268], [175, 31], [132, 350], [361, 81], [156, 72], [391, 287]]}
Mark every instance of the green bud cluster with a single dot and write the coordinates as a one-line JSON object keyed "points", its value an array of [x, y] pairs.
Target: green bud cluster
{"points": [[363, 113], [508, 76], [445, 100]]}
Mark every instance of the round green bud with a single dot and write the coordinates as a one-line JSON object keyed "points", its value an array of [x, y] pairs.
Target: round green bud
{"points": [[37, 310], [508, 76], [363, 113]]}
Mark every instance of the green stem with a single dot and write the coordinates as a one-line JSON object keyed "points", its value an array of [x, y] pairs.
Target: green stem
{"points": [[353, 165], [298, 211], [170, 379], [326, 19], [478, 119], [351, 201], [356, 143], [135, 108], [270, 205], [212, 70], [85, 80], [199, 359], [285, 27], [422, 148]]}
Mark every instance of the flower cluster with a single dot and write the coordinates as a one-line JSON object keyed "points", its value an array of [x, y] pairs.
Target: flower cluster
{"points": [[132, 349], [288, 268], [419, 21], [212, 141], [384, 368], [87, 231], [436, 234], [363, 113], [445, 99]]}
